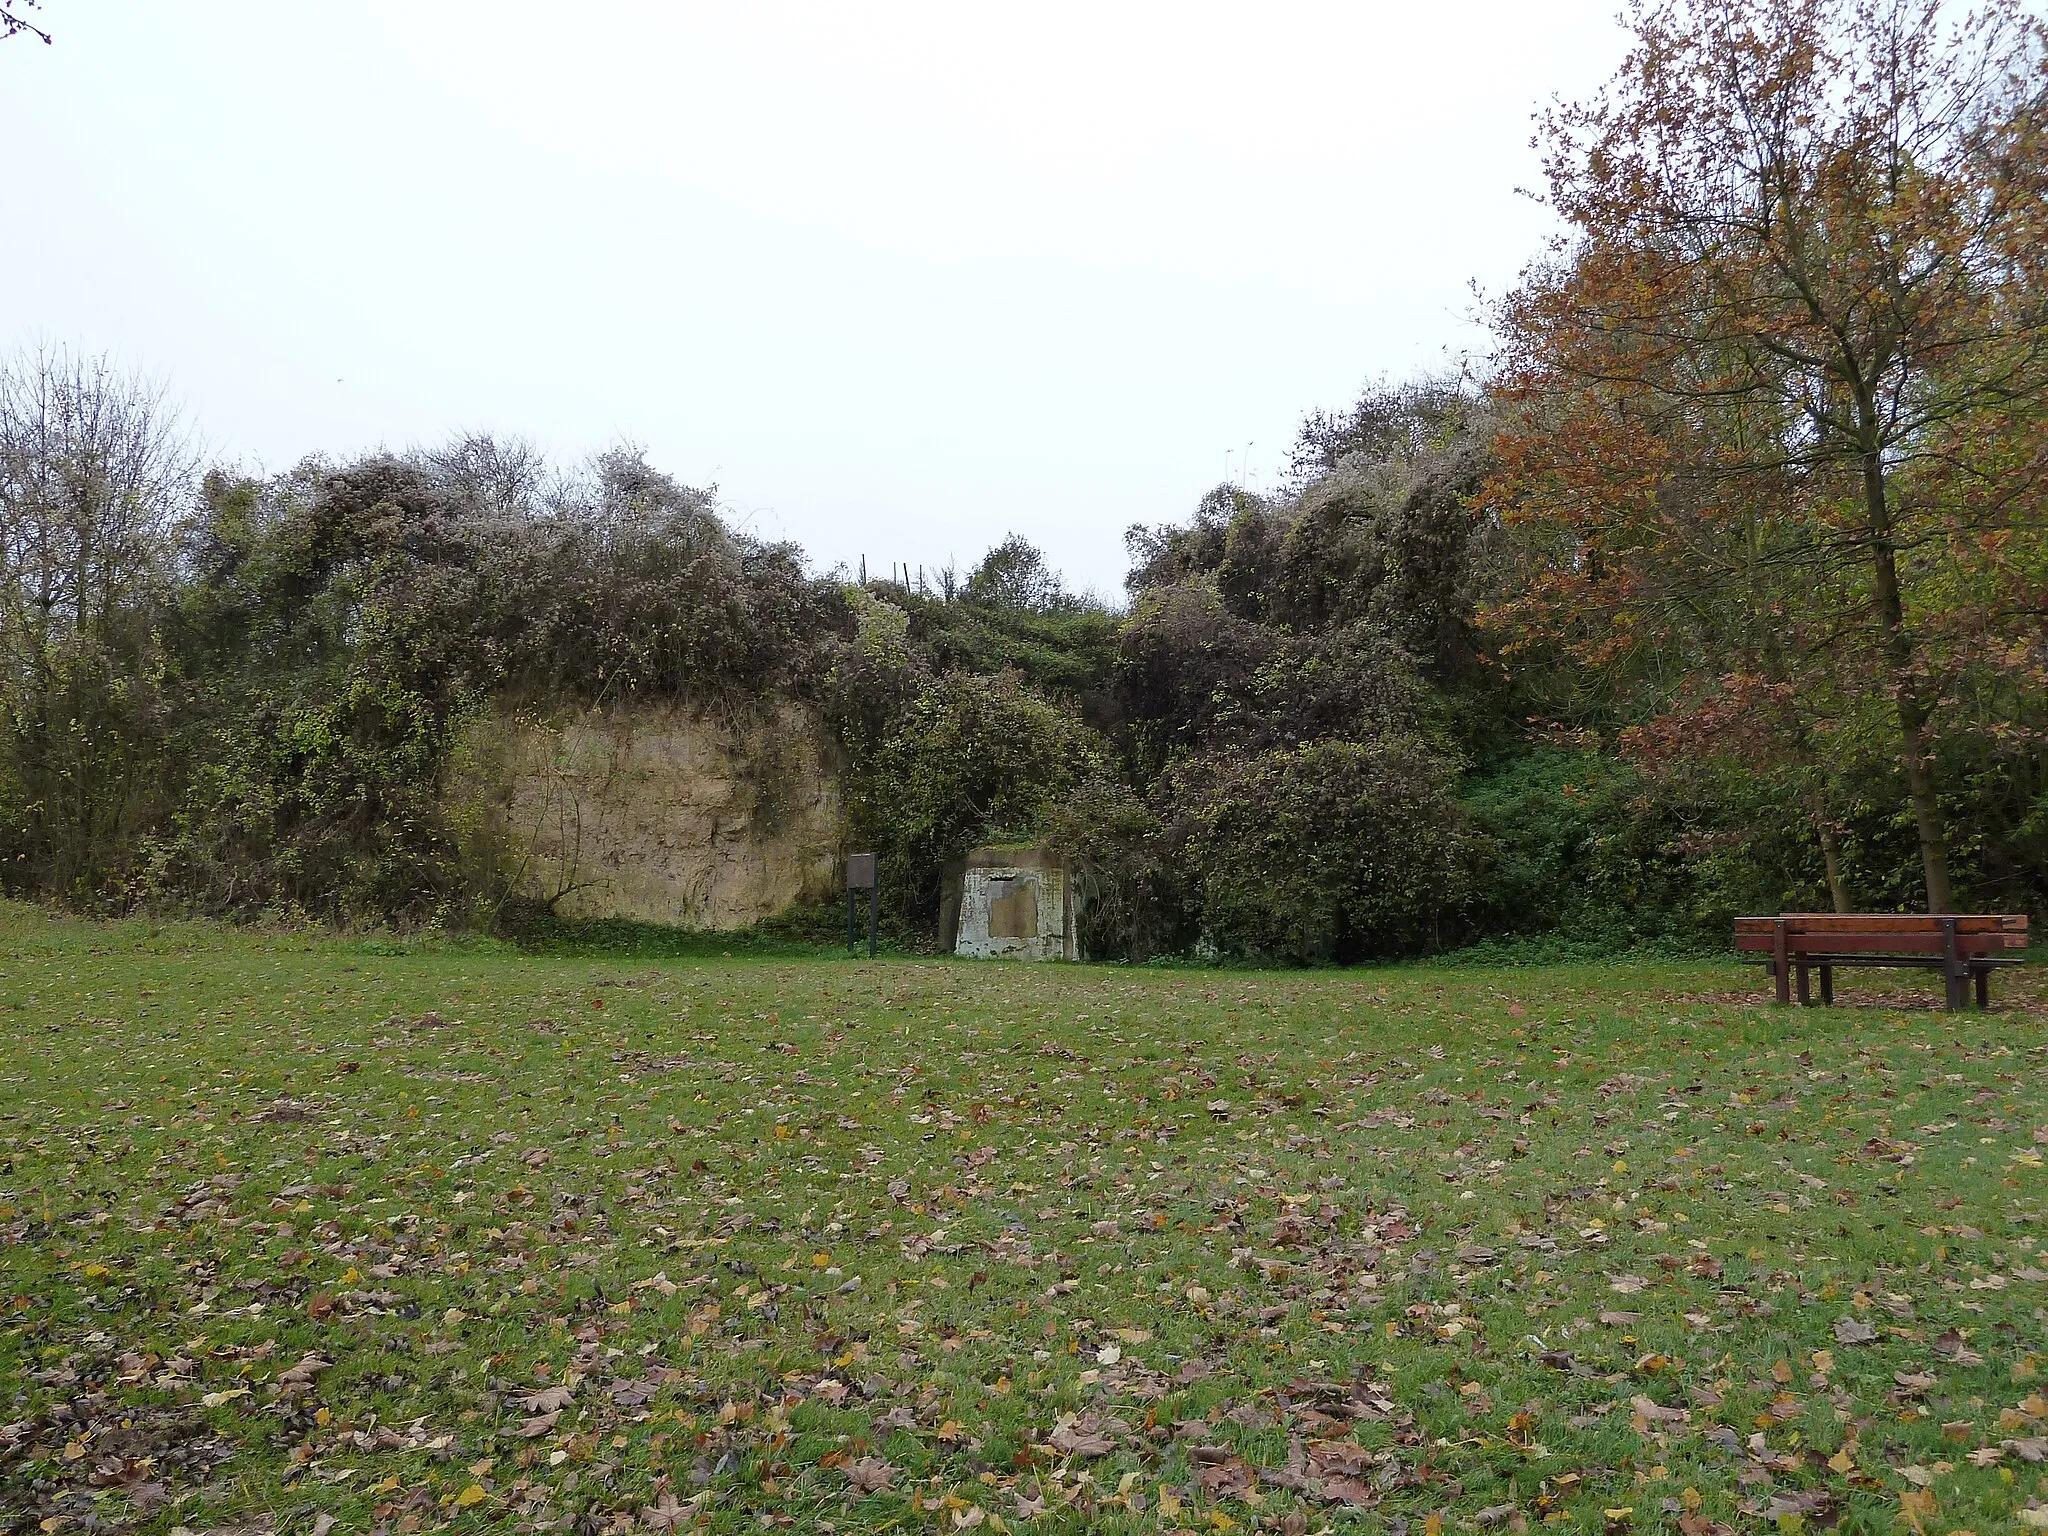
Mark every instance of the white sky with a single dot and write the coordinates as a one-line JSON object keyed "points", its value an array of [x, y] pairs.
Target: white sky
{"points": [[899, 278]]}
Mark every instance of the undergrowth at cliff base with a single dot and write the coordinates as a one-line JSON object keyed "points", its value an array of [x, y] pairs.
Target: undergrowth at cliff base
{"points": [[337, 1237]]}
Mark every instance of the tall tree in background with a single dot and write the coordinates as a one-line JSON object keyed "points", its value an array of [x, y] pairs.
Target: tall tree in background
{"points": [[95, 472], [1779, 390]]}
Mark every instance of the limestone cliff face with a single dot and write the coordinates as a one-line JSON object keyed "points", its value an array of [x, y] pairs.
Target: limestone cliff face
{"points": [[663, 814]]}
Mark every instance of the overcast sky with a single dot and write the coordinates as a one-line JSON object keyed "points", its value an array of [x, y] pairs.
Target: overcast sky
{"points": [[898, 278]]}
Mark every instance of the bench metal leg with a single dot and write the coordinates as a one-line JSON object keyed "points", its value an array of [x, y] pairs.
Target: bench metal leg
{"points": [[1827, 986], [1805, 991], [1983, 986], [1953, 973], [1781, 972]]}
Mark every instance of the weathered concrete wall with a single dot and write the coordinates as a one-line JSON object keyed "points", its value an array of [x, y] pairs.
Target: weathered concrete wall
{"points": [[664, 814], [1013, 902]]}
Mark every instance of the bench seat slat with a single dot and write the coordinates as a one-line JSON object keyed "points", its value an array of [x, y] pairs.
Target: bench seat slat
{"points": [[1888, 962], [1881, 943]]}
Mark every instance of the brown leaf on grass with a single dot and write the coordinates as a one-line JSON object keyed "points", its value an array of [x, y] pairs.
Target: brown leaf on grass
{"points": [[1621, 1319], [1917, 1505], [548, 1399], [538, 1425], [1851, 1330], [1338, 1458], [1072, 1436], [2033, 1448], [666, 1513], [1350, 1490], [1696, 1524], [147, 1497], [1804, 1502], [1656, 1413], [1913, 1383], [1233, 1475], [1952, 1348], [1492, 1515], [1628, 1285], [302, 1374], [870, 1474]]}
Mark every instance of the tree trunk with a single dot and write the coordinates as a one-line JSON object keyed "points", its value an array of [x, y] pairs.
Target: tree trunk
{"points": [[1898, 649], [1831, 854]]}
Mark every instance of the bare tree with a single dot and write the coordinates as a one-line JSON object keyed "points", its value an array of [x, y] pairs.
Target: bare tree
{"points": [[95, 472], [94, 469], [13, 22]]}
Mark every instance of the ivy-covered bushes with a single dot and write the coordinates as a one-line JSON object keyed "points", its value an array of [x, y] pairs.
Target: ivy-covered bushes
{"points": [[1335, 850], [1294, 744], [973, 759]]}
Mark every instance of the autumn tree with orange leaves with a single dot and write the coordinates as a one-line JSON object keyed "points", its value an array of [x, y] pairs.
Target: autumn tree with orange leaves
{"points": [[1776, 445]]}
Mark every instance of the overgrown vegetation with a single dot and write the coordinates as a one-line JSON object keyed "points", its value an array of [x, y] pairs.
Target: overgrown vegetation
{"points": [[1722, 588]]}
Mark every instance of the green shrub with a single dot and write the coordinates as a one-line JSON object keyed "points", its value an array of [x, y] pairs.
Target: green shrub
{"points": [[1581, 840], [1333, 851], [972, 759]]}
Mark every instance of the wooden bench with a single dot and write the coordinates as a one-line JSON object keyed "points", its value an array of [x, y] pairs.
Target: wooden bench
{"points": [[1965, 947]]}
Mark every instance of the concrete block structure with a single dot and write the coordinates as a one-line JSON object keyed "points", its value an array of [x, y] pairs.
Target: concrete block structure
{"points": [[1012, 902]]}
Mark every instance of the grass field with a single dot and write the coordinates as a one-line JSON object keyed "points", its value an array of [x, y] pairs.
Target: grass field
{"points": [[365, 1237]]}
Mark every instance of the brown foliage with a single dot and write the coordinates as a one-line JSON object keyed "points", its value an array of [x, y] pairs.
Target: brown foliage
{"points": [[1777, 399]]}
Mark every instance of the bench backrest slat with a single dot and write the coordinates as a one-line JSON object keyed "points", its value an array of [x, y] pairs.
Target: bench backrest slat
{"points": [[1977, 934]]}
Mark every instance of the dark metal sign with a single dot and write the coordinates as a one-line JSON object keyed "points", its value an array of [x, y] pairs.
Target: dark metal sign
{"points": [[860, 876]]}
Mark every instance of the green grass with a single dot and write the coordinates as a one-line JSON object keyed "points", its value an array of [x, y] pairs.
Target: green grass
{"points": [[595, 1241]]}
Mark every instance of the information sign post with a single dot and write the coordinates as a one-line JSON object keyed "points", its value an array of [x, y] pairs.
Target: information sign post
{"points": [[860, 876]]}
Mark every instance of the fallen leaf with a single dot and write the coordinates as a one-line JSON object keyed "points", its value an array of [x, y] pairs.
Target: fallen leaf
{"points": [[870, 1474], [1071, 1437]]}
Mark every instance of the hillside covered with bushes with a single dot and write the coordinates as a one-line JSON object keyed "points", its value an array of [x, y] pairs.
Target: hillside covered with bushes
{"points": [[1297, 740]]}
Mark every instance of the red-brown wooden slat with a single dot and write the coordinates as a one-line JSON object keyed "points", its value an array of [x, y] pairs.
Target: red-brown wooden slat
{"points": [[1880, 943], [1883, 922], [1764, 938]]}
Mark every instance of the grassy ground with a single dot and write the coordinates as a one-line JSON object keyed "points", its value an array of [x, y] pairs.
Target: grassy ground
{"points": [[355, 1237]]}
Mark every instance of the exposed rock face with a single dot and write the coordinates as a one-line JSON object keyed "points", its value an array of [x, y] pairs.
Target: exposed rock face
{"points": [[666, 814]]}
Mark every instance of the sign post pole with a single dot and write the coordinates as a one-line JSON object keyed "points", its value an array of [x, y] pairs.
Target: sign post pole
{"points": [[860, 875]]}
